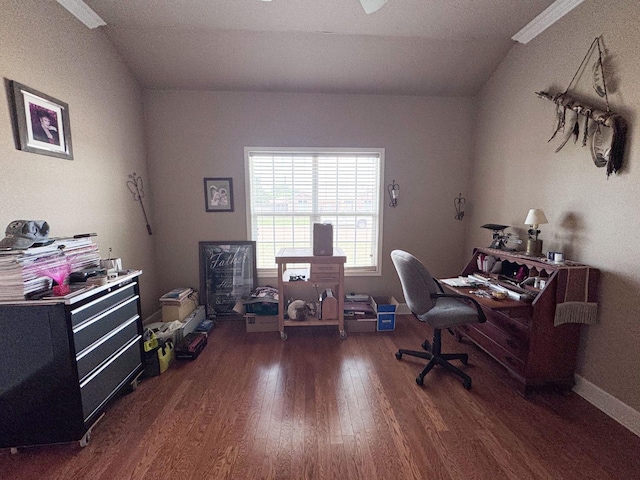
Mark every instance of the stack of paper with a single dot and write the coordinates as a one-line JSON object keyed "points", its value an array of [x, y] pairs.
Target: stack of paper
{"points": [[24, 273], [456, 282]]}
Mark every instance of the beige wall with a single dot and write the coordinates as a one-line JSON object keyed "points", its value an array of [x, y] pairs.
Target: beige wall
{"points": [[45, 48], [192, 135], [592, 219]]}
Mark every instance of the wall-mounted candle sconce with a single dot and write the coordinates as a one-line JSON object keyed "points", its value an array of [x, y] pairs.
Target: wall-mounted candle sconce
{"points": [[393, 189], [459, 204]]}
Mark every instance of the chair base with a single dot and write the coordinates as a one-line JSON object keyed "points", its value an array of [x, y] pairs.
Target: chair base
{"points": [[432, 353]]}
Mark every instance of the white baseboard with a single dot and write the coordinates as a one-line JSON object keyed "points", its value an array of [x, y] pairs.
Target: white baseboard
{"points": [[620, 412], [403, 309]]}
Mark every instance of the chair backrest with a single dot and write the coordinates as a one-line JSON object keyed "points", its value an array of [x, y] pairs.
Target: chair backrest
{"points": [[417, 283]]}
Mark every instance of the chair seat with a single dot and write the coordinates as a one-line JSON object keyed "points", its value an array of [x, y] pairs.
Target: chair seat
{"points": [[427, 300], [449, 312]]}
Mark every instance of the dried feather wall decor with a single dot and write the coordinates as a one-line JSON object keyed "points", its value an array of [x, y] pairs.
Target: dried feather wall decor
{"points": [[609, 136]]}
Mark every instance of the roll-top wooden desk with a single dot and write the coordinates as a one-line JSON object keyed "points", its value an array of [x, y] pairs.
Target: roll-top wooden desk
{"points": [[535, 339]]}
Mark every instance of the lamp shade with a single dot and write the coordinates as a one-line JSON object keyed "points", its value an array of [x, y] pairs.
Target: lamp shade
{"points": [[535, 217]]}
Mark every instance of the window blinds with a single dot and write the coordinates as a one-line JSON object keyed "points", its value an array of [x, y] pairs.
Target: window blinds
{"points": [[290, 191]]}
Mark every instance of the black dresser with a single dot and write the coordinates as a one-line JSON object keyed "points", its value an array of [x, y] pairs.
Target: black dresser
{"points": [[63, 360]]}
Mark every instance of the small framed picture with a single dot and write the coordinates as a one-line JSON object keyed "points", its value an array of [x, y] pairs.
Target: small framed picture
{"points": [[218, 194], [40, 122]]}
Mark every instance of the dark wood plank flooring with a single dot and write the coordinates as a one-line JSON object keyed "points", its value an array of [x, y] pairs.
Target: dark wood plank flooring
{"points": [[316, 407]]}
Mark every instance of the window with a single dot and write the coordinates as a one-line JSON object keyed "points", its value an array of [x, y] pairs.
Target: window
{"points": [[289, 190]]}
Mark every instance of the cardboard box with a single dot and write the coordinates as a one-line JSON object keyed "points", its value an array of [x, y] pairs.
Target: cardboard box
{"points": [[178, 311], [261, 323], [385, 308], [360, 325]]}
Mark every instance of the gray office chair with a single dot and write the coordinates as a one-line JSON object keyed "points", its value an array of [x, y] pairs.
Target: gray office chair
{"points": [[428, 302]]}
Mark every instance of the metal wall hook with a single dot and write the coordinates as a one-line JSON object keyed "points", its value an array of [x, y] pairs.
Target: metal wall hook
{"points": [[136, 187], [394, 190], [458, 203]]}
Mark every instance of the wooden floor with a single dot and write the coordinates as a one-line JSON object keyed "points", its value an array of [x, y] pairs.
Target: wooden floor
{"points": [[316, 407]]}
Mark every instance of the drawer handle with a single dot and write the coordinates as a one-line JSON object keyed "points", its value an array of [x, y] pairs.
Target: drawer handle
{"points": [[102, 298], [109, 335], [92, 320], [113, 359]]}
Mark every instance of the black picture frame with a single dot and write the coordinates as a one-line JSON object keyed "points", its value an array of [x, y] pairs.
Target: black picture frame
{"points": [[218, 194], [228, 275], [41, 123]]}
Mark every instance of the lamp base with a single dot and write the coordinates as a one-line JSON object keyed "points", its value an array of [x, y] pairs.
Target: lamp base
{"points": [[534, 248]]}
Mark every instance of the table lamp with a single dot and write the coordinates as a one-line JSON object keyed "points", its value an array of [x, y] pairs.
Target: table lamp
{"points": [[534, 218]]}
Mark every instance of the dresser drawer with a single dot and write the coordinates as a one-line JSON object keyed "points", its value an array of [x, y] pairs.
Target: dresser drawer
{"points": [[325, 272], [503, 356], [325, 268], [104, 302], [99, 386], [521, 316], [519, 347], [100, 351], [509, 326], [96, 327]]}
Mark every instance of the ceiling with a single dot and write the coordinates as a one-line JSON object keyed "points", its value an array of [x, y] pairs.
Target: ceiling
{"points": [[408, 47]]}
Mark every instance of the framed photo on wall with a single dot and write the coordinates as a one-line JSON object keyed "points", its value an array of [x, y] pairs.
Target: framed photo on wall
{"points": [[40, 123], [218, 194]]}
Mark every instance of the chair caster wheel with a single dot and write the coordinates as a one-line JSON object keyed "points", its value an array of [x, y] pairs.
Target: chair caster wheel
{"points": [[420, 380], [467, 384], [84, 441], [426, 345], [465, 360], [398, 355]]}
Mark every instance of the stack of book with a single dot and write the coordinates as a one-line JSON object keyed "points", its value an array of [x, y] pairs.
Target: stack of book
{"points": [[176, 296], [25, 273]]}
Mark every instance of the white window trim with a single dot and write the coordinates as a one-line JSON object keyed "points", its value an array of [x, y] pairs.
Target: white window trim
{"points": [[349, 272]]}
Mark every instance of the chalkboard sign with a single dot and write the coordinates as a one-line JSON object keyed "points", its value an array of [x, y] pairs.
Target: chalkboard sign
{"points": [[227, 275]]}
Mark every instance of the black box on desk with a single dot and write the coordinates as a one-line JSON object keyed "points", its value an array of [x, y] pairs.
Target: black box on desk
{"points": [[323, 239]]}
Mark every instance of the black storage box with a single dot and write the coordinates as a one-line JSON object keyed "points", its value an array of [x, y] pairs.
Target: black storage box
{"points": [[191, 345]]}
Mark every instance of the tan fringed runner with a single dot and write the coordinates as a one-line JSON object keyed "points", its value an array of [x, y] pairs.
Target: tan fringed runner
{"points": [[576, 296]]}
